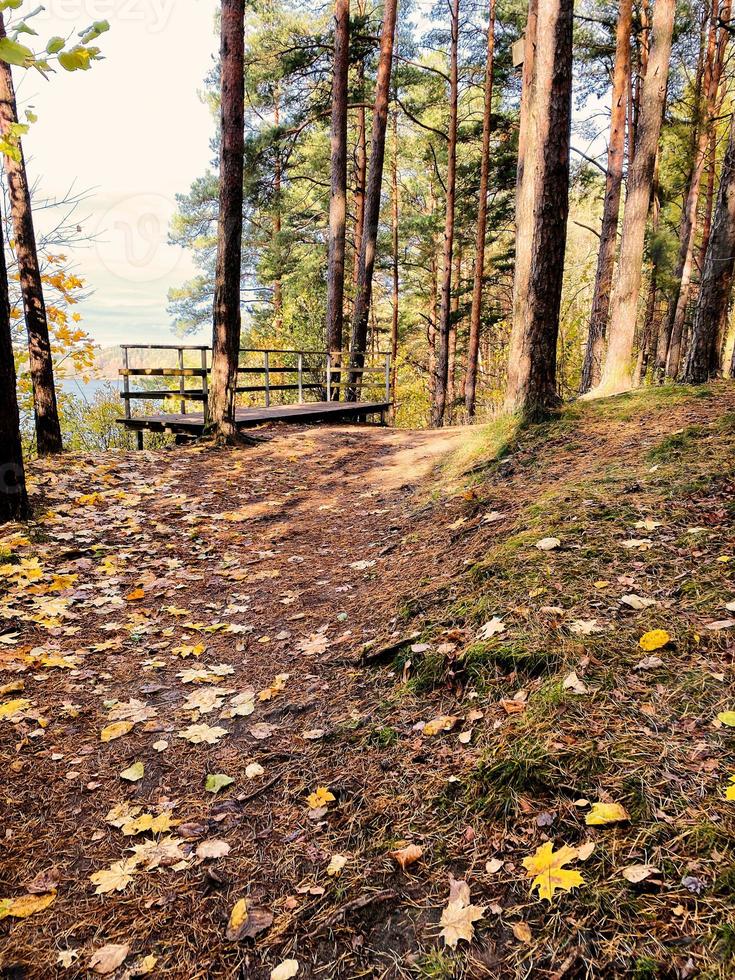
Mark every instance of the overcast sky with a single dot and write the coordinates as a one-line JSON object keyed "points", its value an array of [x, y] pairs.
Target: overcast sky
{"points": [[133, 133]]}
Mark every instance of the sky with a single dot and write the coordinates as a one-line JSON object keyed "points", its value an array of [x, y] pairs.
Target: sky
{"points": [[130, 133]]}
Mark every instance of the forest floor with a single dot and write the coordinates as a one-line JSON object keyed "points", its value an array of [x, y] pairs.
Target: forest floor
{"points": [[407, 697]]}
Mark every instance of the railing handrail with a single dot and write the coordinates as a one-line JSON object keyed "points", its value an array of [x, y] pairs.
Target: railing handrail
{"points": [[251, 350]]}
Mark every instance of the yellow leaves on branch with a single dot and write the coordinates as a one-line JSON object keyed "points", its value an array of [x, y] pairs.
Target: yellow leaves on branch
{"points": [[546, 867]]}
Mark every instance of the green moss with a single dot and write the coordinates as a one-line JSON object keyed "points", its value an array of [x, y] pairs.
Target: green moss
{"points": [[436, 965]]}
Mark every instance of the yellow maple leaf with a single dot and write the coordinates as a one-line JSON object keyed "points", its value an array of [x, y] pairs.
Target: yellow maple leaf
{"points": [[457, 921], [25, 905], [14, 707], [115, 730], [320, 797], [654, 640], [443, 723], [116, 878], [546, 867], [730, 791], [602, 813]]}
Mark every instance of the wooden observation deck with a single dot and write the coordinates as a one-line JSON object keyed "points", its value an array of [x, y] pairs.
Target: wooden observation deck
{"points": [[308, 386]]}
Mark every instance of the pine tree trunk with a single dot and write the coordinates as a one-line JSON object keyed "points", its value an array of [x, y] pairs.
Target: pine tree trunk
{"points": [[542, 206], [473, 343], [368, 245], [48, 428], [617, 374], [338, 200], [276, 238], [360, 162], [227, 320], [13, 498], [441, 365], [704, 356], [688, 227], [592, 367], [394, 266]]}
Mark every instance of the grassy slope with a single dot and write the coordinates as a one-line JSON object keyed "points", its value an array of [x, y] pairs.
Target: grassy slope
{"points": [[646, 739]]}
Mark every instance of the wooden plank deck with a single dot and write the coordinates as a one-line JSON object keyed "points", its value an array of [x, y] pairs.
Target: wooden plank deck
{"points": [[193, 424]]}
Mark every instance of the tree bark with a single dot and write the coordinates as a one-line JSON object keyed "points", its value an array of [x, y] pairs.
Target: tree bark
{"points": [[722, 41], [48, 427], [394, 266], [441, 364], [473, 343], [360, 163], [688, 227], [13, 497], [276, 237], [703, 360], [338, 199], [617, 373], [542, 207], [227, 319], [364, 287], [592, 367]]}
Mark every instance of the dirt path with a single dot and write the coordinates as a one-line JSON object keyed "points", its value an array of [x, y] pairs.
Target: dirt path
{"points": [[286, 559]]}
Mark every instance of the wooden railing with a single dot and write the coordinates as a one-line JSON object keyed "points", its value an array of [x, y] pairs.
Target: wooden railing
{"points": [[329, 373]]}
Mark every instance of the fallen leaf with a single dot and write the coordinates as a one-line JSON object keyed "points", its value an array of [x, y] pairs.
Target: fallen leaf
{"points": [[108, 958], [457, 921], [522, 932], [604, 813], [573, 683], [636, 873], [209, 849], [727, 718], [246, 922], [654, 640], [491, 628], [585, 850], [637, 601], [494, 865], [115, 730], [285, 970], [198, 734], [11, 708], [116, 878], [25, 905], [133, 773], [216, 781], [546, 867], [320, 797], [548, 544], [406, 856], [443, 723], [335, 866], [253, 770]]}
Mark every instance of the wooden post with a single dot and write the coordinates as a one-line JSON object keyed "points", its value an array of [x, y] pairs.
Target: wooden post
{"points": [[181, 381], [266, 369], [205, 389], [387, 379], [329, 376], [301, 377], [126, 382], [139, 438]]}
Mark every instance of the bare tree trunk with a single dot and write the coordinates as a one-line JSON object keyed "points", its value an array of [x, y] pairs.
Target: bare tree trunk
{"points": [[394, 265], [617, 374], [360, 163], [592, 367], [48, 427], [364, 288], [338, 200], [722, 41], [473, 344], [542, 206], [227, 320], [688, 228], [704, 356], [431, 323], [441, 366], [13, 498]]}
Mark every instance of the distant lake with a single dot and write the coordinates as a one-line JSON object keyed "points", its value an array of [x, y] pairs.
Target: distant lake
{"points": [[86, 389]]}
